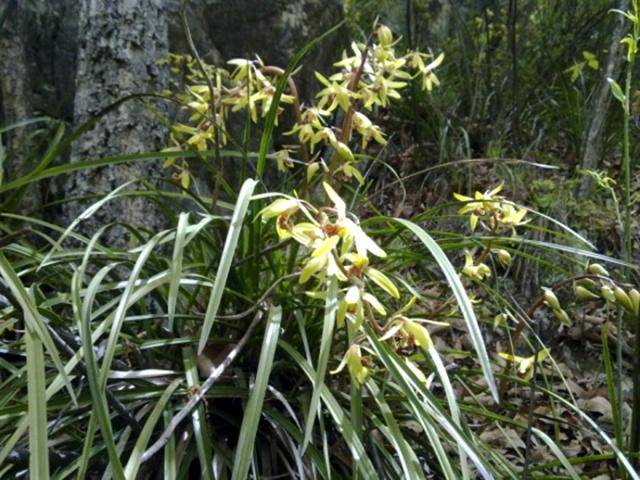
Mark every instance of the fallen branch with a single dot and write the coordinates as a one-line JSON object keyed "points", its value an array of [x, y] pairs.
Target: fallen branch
{"points": [[199, 395]]}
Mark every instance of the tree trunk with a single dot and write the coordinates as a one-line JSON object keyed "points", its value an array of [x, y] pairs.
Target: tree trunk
{"points": [[120, 41], [16, 96], [592, 143]]}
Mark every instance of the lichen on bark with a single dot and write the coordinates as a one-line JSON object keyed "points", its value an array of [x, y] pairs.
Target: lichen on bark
{"points": [[119, 46]]}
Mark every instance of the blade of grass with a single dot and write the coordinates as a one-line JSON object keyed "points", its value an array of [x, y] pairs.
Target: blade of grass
{"points": [[176, 267], [99, 403], [622, 458], [426, 405], [451, 400], [461, 297], [33, 319], [58, 382], [558, 453], [38, 450], [87, 213], [170, 458], [253, 411], [226, 259], [123, 305], [330, 309], [613, 393], [358, 453], [410, 464], [198, 417], [270, 121], [23, 123], [133, 464]]}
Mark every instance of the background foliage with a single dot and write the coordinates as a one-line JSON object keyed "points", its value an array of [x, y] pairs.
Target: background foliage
{"points": [[155, 325]]}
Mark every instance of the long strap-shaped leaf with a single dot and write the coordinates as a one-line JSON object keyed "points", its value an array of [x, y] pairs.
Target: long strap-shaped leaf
{"points": [[58, 382], [176, 267], [230, 244], [270, 121], [421, 398], [330, 309], [361, 461], [461, 297], [133, 465], [33, 319], [87, 213], [253, 412], [408, 460], [36, 383]]}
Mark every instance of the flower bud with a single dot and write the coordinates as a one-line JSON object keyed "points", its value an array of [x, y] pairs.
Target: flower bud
{"points": [[312, 168], [499, 320], [550, 299], [623, 299], [344, 152], [583, 293], [385, 36], [504, 257], [587, 283], [634, 295], [597, 269], [562, 316], [607, 294]]}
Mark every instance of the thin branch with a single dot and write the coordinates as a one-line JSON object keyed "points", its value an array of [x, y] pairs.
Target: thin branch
{"points": [[202, 391]]}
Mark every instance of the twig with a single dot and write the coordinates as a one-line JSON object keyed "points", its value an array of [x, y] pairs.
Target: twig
{"points": [[260, 301], [202, 391]]}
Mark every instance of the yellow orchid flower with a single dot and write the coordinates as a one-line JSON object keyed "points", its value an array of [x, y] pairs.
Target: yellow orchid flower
{"points": [[525, 364], [478, 272], [281, 206], [353, 361]]}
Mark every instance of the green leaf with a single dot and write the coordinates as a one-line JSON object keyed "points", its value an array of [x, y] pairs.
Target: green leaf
{"points": [[253, 411], [36, 395], [410, 464], [558, 453], [272, 115], [123, 304], [198, 417], [33, 319], [226, 258], [617, 92], [100, 410], [345, 427], [133, 465], [330, 309], [425, 407], [176, 267], [461, 297], [87, 213]]}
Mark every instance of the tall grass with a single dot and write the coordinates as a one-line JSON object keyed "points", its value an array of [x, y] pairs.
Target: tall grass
{"points": [[212, 358]]}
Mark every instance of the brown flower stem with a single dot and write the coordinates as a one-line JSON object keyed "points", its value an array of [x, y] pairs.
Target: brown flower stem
{"points": [[372, 319], [522, 323], [347, 121], [297, 106]]}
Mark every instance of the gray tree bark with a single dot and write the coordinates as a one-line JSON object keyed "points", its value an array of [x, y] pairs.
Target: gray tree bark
{"points": [[75, 57], [592, 143], [16, 95], [120, 42]]}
